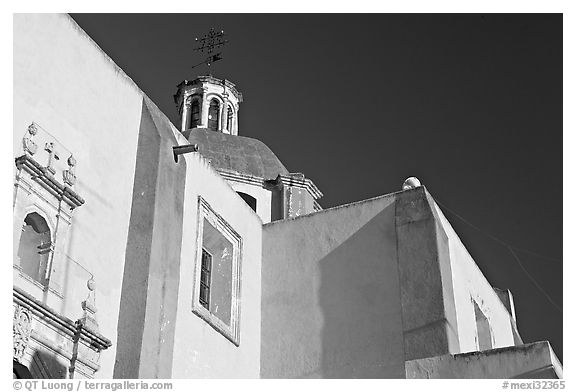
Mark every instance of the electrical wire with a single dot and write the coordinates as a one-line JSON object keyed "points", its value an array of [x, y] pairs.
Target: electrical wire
{"points": [[534, 281], [511, 248], [496, 238]]}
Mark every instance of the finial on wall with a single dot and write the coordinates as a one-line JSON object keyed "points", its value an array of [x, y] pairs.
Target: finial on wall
{"points": [[29, 146], [68, 175], [52, 155], [89, 307], [411, 183]]}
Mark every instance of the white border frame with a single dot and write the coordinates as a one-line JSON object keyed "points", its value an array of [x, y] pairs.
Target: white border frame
{"points": [[231, 332]]}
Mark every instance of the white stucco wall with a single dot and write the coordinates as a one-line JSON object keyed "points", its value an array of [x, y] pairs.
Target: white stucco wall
{"points": [[198, 348], [331, 304], [67, 85], [470, 284], [263, 198]]}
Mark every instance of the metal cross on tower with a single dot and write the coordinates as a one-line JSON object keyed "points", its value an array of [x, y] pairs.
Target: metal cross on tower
{"points": [[213, 40]]}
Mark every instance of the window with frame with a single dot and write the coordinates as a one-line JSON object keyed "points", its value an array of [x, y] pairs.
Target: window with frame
{"points": [[230, 117], [34, 247], [214, 115], [216, 296], [195, 114]]}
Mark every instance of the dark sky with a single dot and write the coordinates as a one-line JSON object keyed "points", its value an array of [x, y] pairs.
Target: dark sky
{"points": [[470, 104]]}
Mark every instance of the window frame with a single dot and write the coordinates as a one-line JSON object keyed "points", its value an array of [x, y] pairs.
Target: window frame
{"points": [[42, 270], [43, 273], [229, 118], [232, 331], [214, 103], [195, 122], [208, 272]]}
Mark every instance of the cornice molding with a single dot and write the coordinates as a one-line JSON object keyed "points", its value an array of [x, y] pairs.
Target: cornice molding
{"points": [[200, 80], [298, 180], [43, 177], [242, 178], [61, 323], [292, 180]]}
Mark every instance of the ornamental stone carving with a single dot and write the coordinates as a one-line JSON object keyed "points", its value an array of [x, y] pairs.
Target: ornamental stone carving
{"points": [[52, 155], [21, 328], [29, 146], [68, 175], [89, 307]]}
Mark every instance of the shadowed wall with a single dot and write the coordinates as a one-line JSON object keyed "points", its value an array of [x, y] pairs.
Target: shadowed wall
{"points": [[331, 295], [151, 271]]}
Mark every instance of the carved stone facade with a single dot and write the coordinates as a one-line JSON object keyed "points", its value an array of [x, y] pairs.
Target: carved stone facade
{"points": [[51, 345], [21, 328], [37, 190], [48, 343]]}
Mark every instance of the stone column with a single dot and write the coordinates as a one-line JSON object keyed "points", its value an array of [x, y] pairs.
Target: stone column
{"points": [[234, 128], [204, 117], [224, 113], [185, 111]]}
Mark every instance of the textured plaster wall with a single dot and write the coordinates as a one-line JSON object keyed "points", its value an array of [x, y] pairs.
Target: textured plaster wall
{"points": [[200, 351], [470, 284], [67, 85], [299, 202], [428, 310], [532, 361], [331, 294]]}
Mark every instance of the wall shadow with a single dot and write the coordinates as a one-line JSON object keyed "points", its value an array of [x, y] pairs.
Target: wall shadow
{"points": [[148, 301], [359, 297], [331, 305]]}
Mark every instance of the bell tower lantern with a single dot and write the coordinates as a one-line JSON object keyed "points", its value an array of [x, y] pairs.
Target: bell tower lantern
{"points": [[210, 103]]}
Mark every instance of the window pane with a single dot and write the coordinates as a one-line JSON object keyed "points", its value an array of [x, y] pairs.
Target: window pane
{"points": [[229, 119], [205, 279], [195, 118], [204, 295], [213, 114], [206, 260], [221, 272]]}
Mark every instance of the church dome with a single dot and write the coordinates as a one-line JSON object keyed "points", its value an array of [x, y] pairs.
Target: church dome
{"points": [[237, 153]]}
